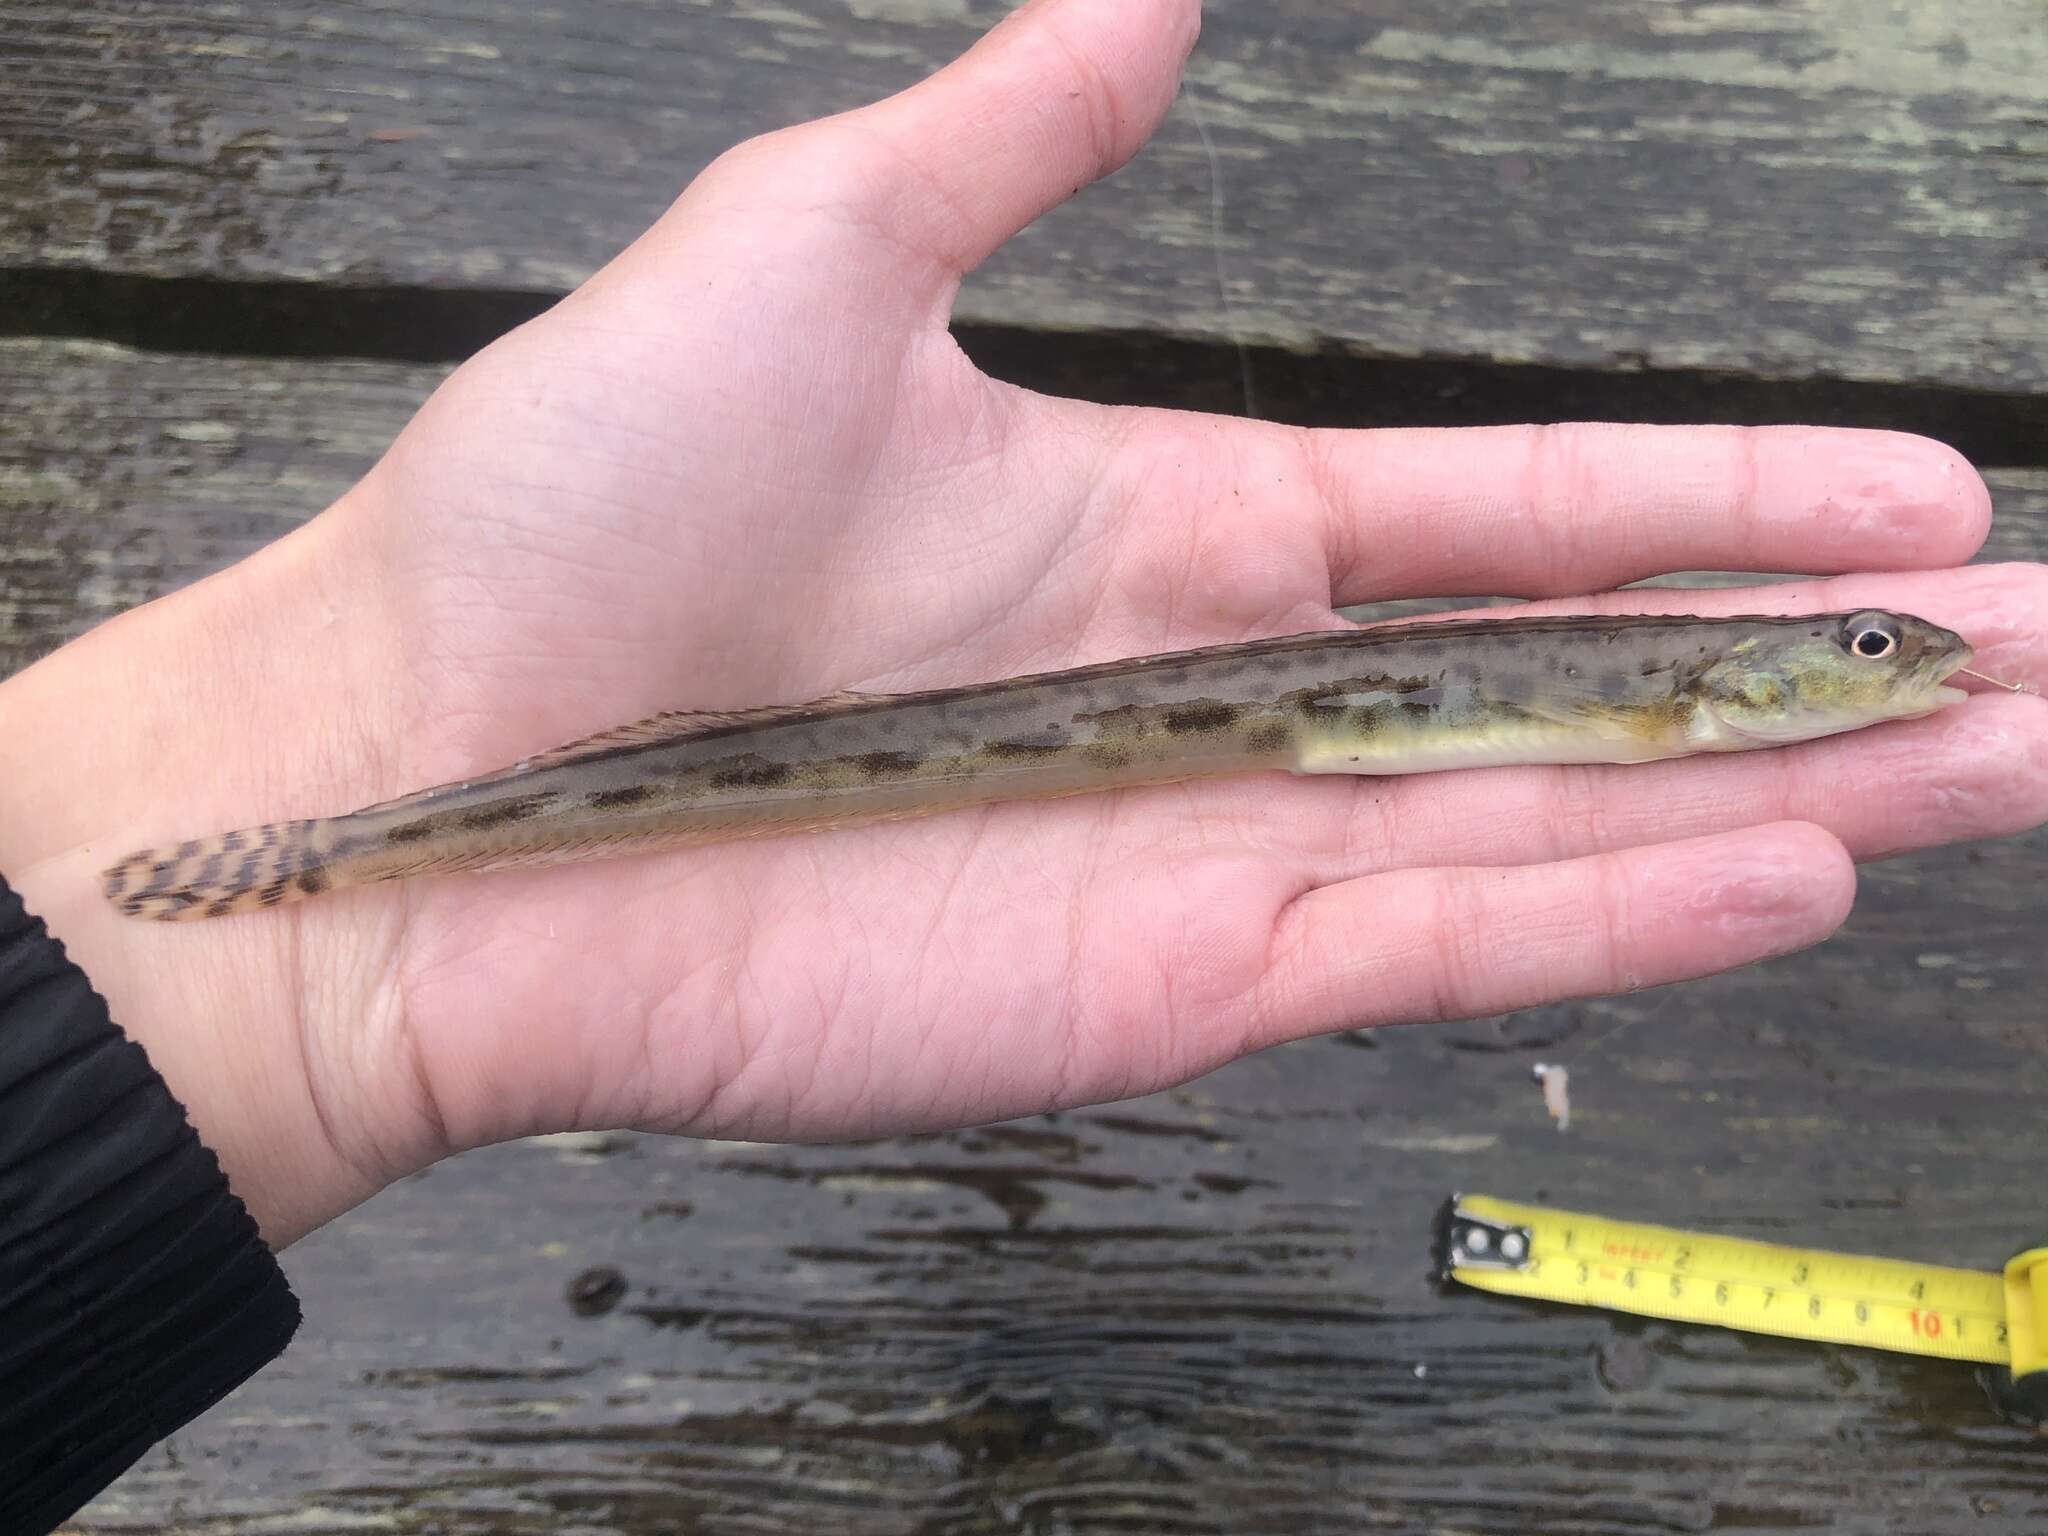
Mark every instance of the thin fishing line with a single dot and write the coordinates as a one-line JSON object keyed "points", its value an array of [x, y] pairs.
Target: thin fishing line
{"points": [[1230, 325]]}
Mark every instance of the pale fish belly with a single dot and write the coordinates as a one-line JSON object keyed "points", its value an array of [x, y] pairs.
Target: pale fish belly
{"points": [[1383, 738]]}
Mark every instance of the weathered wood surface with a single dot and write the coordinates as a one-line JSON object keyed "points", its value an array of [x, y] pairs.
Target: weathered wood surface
{"points": [[126, 474], [1821, 186], [1204, 1311]]}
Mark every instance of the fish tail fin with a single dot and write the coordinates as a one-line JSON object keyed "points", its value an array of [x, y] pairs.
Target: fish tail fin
{"points": [[232, 872]]}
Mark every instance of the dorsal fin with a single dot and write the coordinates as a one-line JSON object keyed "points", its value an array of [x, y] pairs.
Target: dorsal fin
{"points": [[673, 725], [676, 723]]}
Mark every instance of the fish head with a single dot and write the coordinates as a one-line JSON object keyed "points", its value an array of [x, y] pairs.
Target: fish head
{"points": [[1794, 681]]}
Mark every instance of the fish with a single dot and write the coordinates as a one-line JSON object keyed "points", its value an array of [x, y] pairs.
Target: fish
{"points": [[1412, 697]]}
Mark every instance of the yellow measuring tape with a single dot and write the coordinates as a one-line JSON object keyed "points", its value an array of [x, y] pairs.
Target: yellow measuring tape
{"points": [[1731, 1282]]}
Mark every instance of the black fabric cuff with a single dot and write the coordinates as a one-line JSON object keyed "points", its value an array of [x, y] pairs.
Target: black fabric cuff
{"points": [[135, 1291]]}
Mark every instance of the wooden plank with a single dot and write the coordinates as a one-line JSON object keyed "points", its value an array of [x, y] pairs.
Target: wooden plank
{"points": [[1782, 189], [1202, 1311], [125, 475]]}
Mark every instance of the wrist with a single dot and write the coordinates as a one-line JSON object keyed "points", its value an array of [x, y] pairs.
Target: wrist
{"points": [[268, 691]]}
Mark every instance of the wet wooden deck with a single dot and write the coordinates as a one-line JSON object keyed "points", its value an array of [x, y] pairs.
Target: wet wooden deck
{"points": [[238, 244]]}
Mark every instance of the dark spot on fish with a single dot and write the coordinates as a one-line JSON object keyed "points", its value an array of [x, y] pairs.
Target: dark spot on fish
{"points": [[187, 849], [1173, 677], [1465, 671], [1271, 663], [615, 799], [1193, 718], [411, 831], [1415, 712], [1268, 738], [348, 844], [312, 881], [1515, 687], [1108, 755], [158, 882], [514, 808], [1613, 686], [234, 842], [209, 871], [132, 906], [879, 763], [1650, 668], [222, 907], [269, 835], [272, 893], [1023, 749], [1429, 648], [244, 876], [754, 776]]}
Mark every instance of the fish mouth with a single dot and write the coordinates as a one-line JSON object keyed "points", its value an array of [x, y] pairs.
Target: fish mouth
{"points": [[1944, 664]]}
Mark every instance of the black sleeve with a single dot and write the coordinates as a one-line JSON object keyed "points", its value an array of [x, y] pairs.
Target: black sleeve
{"points": [[135, 1291]]}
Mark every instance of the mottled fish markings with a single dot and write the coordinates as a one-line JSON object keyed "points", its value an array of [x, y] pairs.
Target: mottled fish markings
{"points": [[1407, 698], [210, 877]]}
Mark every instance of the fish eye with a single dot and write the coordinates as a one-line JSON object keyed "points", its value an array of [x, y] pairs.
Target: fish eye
{"points": [[1873, 643]]}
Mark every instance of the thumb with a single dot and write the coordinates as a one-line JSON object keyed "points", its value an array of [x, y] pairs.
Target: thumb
{"points": [[1058, 95]]}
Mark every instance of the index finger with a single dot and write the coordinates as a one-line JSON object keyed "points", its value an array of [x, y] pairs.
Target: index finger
{"points": [[1552, 510], [1538, 511]]}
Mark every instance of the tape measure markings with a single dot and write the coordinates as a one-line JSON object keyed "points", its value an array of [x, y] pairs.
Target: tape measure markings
{"points": [[1729, 1282]]}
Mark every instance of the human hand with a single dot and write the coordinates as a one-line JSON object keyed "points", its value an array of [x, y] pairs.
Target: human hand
{"points": [[747, 464]]}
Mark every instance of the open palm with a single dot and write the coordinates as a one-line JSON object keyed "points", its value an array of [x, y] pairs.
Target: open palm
{"points": [[747, 464]]}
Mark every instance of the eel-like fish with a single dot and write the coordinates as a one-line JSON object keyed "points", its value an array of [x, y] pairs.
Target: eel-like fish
{"points": [[1407, 698]]}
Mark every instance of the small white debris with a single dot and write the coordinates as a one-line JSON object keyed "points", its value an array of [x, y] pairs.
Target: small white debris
{"points": [[200, 432], [1557, 1093], [1421, 1371]]}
